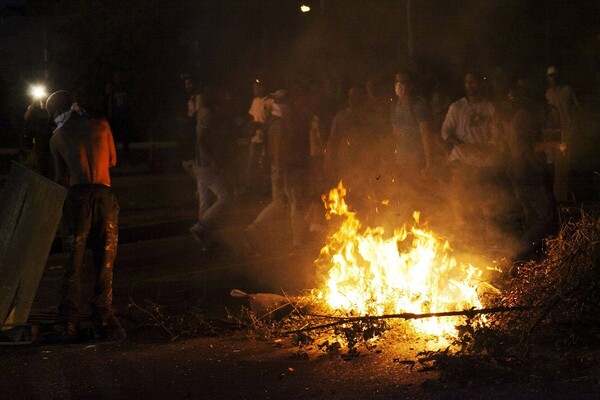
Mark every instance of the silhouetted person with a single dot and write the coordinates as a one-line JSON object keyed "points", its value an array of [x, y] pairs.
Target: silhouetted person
{"points": [[207, 171], [37, 126], [83, 150], [411, 121], [288, 169], [117, 109], [350, 147], [562, 97], [259, 112], [526, 169], [187, 130]]}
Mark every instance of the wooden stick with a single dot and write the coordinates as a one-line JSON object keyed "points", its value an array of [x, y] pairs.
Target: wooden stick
{"points": [[468, 313]]}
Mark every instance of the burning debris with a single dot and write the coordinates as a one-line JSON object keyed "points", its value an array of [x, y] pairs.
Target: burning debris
{"points": [[411, 271], [554, 334], [405, 291], [408, 285], [369, 280]]}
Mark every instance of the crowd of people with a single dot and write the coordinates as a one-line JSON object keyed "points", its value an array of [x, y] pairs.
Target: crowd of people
{"points": [[461, 158], [500, 137]]}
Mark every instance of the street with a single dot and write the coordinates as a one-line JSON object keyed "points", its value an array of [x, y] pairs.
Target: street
{"points": [[161, 269]]}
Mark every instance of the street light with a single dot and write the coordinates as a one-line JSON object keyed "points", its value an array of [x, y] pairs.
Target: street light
{"points": [[304, 8]]}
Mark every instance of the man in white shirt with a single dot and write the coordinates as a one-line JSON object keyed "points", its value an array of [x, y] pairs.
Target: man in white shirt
{"points": [[468, 126], [469, 133]]}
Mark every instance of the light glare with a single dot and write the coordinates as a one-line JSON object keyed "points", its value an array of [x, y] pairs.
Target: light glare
{"points": [[304, 8], [38, 92]]}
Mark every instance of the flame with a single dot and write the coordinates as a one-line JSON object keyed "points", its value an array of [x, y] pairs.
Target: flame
{"points": [[409, 271]]}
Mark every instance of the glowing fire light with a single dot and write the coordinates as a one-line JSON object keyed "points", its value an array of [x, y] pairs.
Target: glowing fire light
{"points": [[409, 271], [304, 8]]}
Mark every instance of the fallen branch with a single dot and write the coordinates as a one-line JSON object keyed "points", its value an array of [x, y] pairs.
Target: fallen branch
{"points": [[367, 318], [154, 314]]}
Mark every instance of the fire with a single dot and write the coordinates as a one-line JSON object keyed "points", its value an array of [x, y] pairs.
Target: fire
{"points": [[409, 271]]}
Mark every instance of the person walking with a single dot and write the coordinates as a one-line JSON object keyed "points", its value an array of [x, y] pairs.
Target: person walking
{"points": [[288, 170], [206, 170]]}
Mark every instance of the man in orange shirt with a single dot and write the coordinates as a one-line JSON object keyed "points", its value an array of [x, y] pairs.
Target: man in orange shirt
{"points": [[83, 151]]}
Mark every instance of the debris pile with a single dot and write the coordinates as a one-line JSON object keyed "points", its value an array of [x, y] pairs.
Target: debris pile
{"points": [[562, 290]]}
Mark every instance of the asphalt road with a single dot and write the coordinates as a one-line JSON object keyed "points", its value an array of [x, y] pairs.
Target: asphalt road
{"points": [[159, 264]]}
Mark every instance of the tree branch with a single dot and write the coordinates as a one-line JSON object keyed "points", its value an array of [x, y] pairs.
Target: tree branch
{"points": [[366, 318]]}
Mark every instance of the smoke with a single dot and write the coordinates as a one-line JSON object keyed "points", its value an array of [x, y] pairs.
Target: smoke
{"points": [[477, 214], [481, 217]]}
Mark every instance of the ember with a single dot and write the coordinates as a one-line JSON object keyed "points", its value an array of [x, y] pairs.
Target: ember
{"points": [[367, 273]]}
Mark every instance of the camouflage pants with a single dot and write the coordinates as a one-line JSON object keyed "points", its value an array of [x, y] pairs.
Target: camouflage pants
{"points": [[91, 218]]}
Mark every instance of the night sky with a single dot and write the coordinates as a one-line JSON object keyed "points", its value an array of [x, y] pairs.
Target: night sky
{"points": [[229, 43]]}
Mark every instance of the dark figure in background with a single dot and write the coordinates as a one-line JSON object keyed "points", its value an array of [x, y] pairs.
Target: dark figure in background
{"points": [[256, 164], [439, 102], [224, 116], [526, 169], [187, 137], [474, 191], [379, 106], [83, 150], [411, 120], [562, 97], [117, 110], [321, 108], [207, 171], [316, 182], [38, 128], [289, 159], [350, 151]]}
